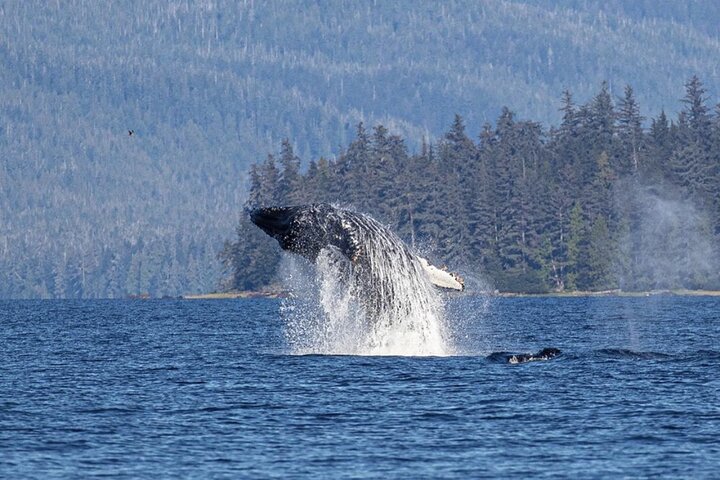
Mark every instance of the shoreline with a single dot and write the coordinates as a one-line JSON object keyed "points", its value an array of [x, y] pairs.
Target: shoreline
{"points": [[233, 295], [617, 293], [606, 293]]}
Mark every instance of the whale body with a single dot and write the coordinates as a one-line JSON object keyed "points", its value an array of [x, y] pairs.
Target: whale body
{"points": [[515, 358], [308, 230]]}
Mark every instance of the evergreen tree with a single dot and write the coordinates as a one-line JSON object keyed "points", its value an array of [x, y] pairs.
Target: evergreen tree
{"points": [[697, 111], [269, 192], [600, 254], [289, 181], [576, 250], [631, 133], [569, 124], [601, 120], [456, 157], [657, 167], [351, 169]]}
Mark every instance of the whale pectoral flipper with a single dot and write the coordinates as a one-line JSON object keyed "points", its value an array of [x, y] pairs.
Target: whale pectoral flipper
{"points": [[442, 278]]}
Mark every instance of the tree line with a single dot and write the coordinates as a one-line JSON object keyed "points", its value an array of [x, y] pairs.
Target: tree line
{"points": [[604, 200], [87, 210]]}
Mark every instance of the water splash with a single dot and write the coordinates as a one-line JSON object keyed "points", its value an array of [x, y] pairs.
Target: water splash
{"points": [[382, 306]]}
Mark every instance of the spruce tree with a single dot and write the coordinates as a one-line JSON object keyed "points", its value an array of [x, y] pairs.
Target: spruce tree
{"points": [[657, 167], [576, 248], [600, 255], [697, 111], [289, 187], [455, 159], [631, 133]]}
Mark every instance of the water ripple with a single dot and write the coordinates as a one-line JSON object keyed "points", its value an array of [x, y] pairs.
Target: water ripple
{"points": [[208, 390]]}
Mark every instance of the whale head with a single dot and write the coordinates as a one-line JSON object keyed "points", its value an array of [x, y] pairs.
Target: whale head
{"points": [[303, 229], [275, 221]]}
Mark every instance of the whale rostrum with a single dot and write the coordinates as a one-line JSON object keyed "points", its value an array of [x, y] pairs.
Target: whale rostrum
{"points": [[309, 229]]}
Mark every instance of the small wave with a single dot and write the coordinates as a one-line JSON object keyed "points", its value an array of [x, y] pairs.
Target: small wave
{"points": [[437, 416], [107, 410], [706, 355], [624, 353], [218, 408], [157, 369], [189, 381]]}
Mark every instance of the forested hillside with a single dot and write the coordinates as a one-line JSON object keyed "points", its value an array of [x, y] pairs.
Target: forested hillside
{"points": [[595, 203], [209, 87]]}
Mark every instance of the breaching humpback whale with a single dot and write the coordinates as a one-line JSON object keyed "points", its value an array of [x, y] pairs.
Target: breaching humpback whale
{"points": [[308, 230]]}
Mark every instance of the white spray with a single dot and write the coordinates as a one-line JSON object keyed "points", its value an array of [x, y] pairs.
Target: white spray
{"points": [[382, 306]]}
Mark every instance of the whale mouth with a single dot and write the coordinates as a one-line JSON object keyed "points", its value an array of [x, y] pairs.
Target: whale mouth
{"points": [[275, 221]]}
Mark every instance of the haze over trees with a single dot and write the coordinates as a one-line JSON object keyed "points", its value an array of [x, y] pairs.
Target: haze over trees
{"points": [[595, 203], [208, 88]]}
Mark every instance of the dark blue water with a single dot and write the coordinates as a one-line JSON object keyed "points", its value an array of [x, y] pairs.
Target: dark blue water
{"points": [[201, 389]]}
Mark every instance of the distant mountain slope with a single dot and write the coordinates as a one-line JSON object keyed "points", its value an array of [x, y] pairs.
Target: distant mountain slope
{"points": [[209, 87]]}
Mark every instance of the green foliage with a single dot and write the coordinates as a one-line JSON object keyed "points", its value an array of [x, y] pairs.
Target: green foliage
{"points": [[569, 209], [210, 87]]}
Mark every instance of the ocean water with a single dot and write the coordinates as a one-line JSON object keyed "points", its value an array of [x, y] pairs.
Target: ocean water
{"points": [[212, 389]]}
